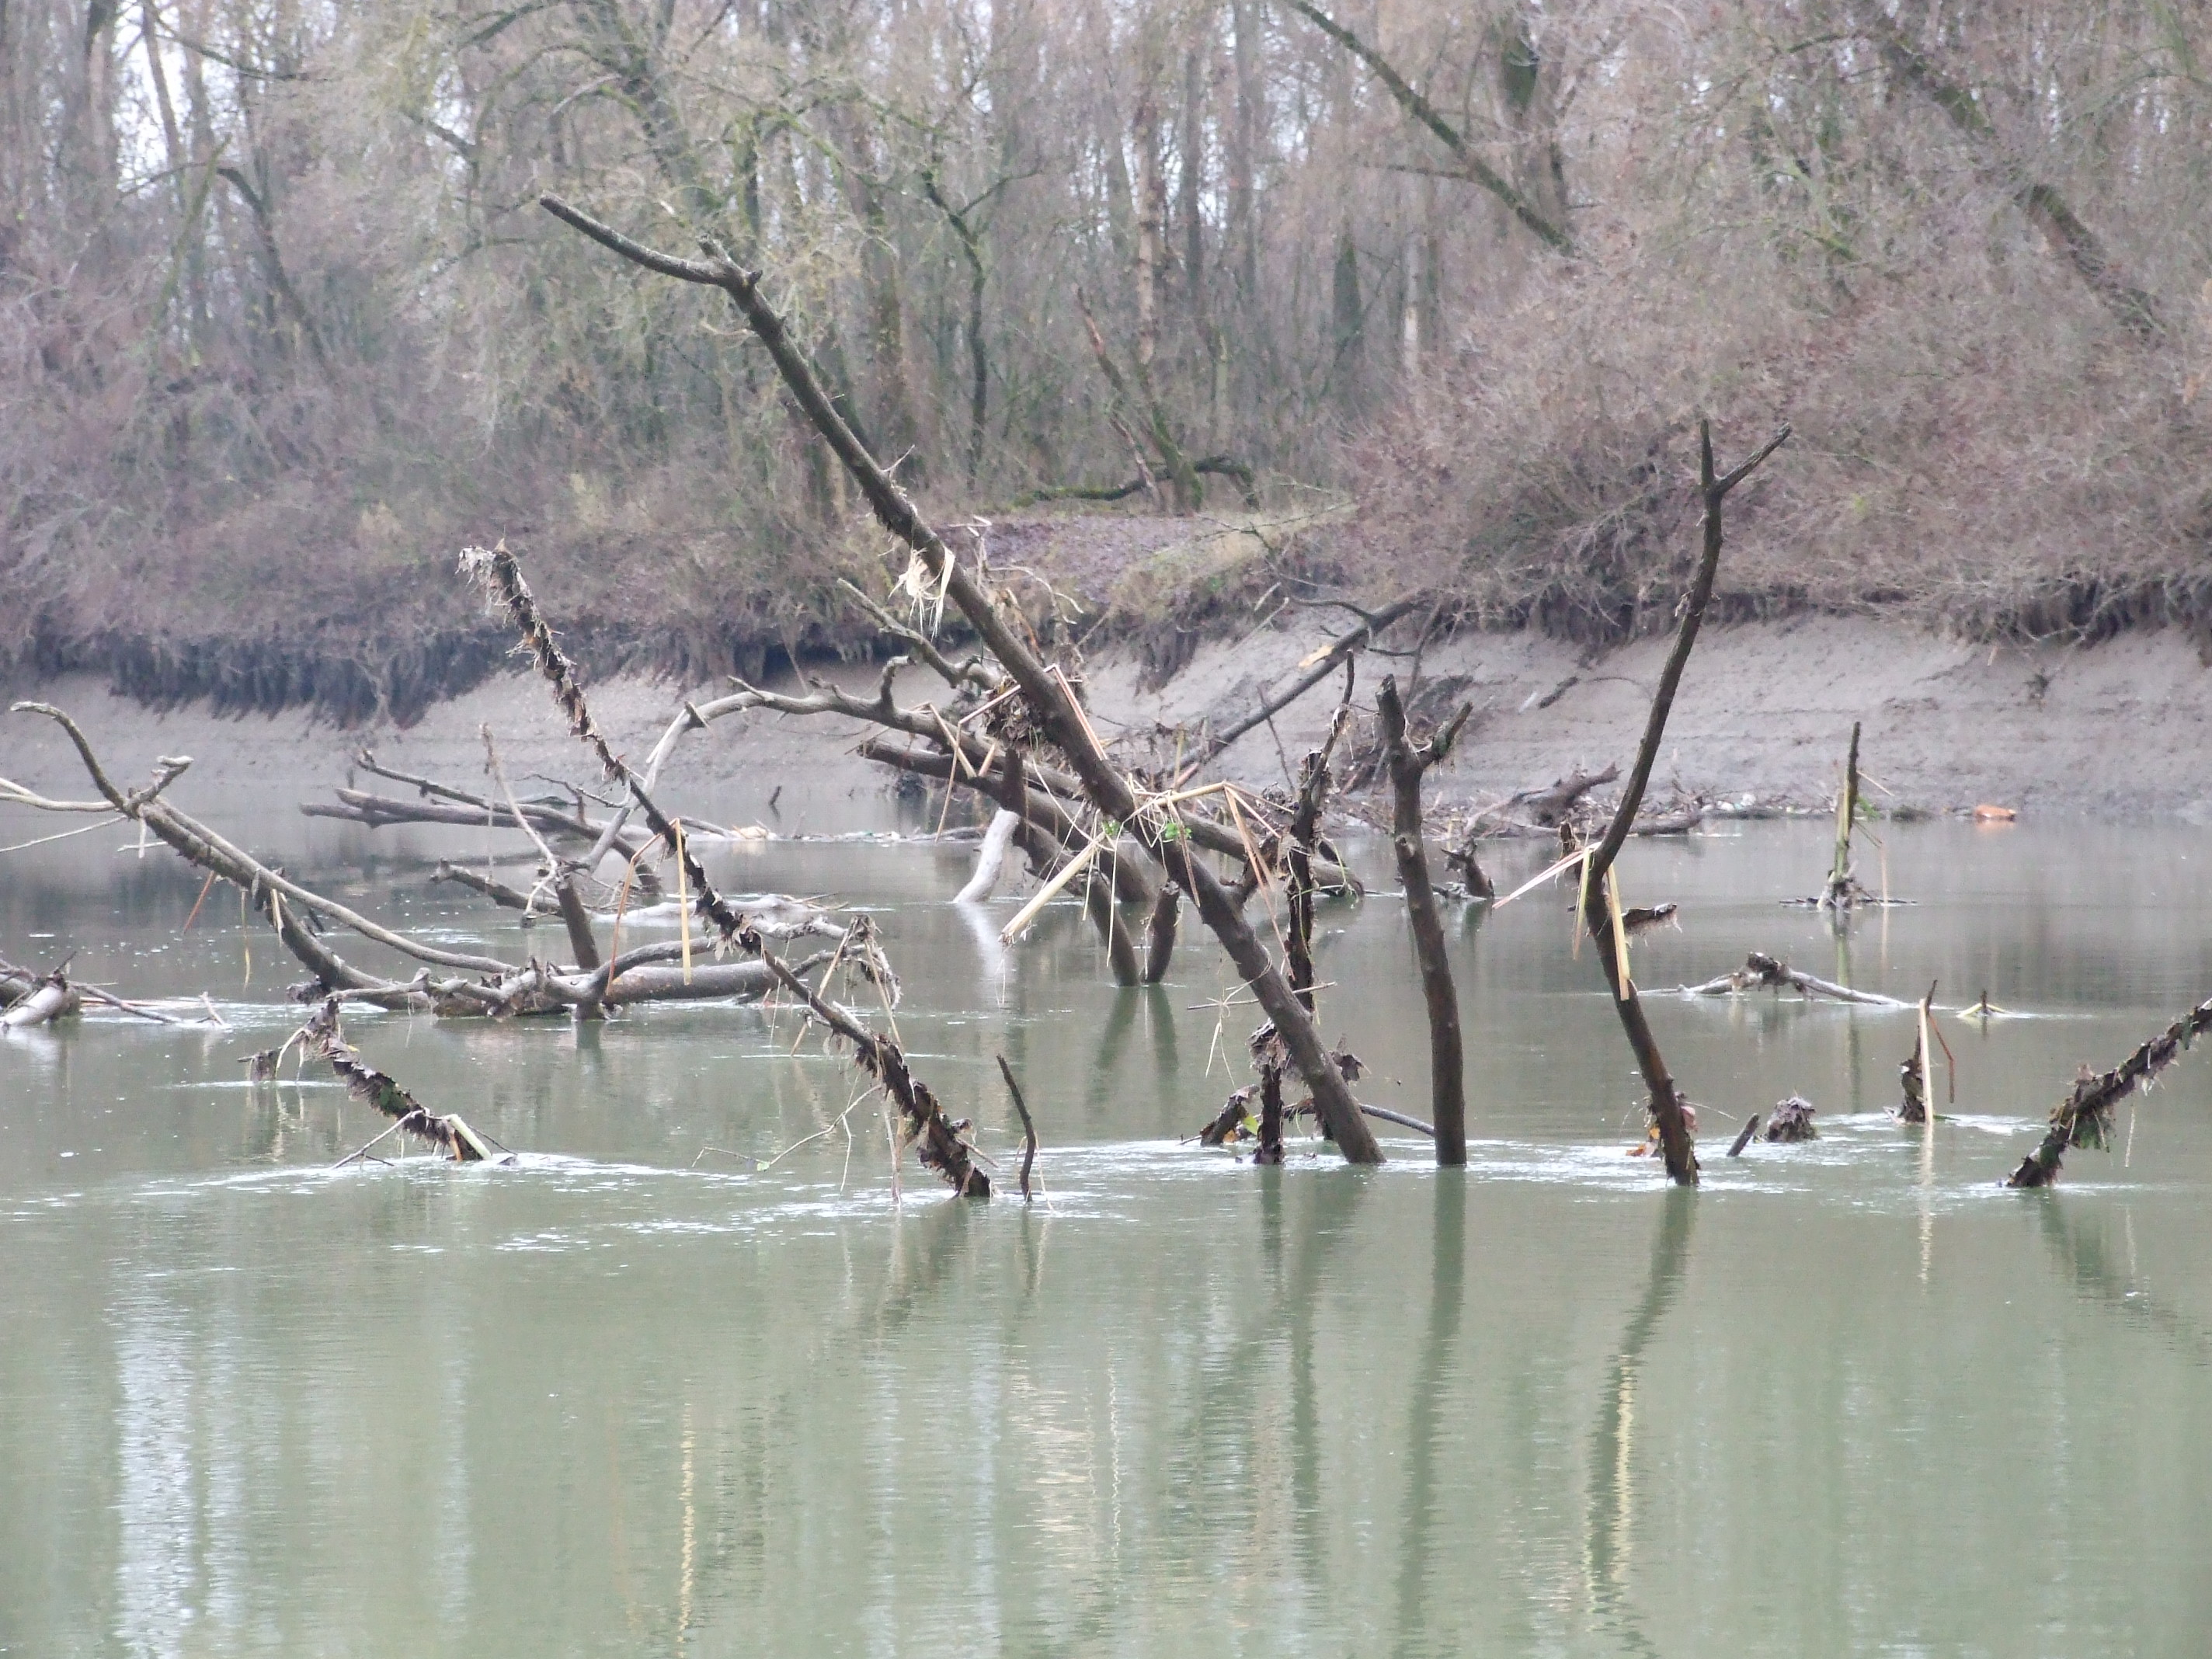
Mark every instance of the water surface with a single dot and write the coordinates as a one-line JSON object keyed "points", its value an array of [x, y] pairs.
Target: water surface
{"points": [[634, 1395]]}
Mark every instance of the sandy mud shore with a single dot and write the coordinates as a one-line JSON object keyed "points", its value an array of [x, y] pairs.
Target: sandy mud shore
{"points": [[2119, 730]]}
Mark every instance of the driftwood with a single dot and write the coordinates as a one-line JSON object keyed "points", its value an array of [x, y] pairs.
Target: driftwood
{"points": [[1304, 832], [1549, 807], [1743, 1136], [506, 897], [966, 760], [1913, 1085], [1313, 671], [1464, 857], [1760, 971], [1258, 853], [1050, 704], [1407, 761], [268, 888], [50, 996], [450, 1134], [483, 985], [990, 859], [1029, 1127], [1913, 1076], [2084, 1118], [936, 1138], [1675, 1138], [1679, 821], [1230, 1123], [1791, 1120]]}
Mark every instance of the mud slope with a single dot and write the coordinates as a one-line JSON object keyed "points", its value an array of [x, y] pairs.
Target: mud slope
{"points": [[2120, 729]]}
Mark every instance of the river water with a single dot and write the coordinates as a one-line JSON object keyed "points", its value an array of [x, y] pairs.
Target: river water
{"points": [[631, 1395]]}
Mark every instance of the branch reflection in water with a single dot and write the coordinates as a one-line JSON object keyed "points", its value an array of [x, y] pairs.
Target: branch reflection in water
{"points": [[1608, 1535], [1429, 1428]]}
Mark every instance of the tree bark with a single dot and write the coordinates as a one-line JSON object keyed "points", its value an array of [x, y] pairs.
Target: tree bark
{"points": [[1409, 762], [1675, 1138], [1047, 694]]}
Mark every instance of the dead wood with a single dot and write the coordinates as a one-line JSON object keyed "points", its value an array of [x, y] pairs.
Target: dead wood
{"points": [[1225, 466], [499, 989], [1404, 1120], [450, 1134], [1051, 704], [582, 946], [990, 859], [1407, 762], [1791, 1120], [1760, 971], [1313, 670], [1666, 1106], [1743, 1136], [506, 897], [49, 998], [267, 886], [1549, 807], [1679, 821], [1048, 788], [1474, 879], [935, 1137], [2084, 1118], [1913, 1074], [1270, 1149], [1029, 1127], [710, 981], [1228, 1124], [1304, 831], [1160, 934], [1121, 949], [968, 760], [1842, 889]]}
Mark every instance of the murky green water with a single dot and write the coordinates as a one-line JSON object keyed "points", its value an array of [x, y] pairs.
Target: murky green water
{"points": [[1849, 1397]]}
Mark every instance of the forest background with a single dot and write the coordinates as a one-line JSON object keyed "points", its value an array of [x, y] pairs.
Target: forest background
{"points": [[1429, 295]]}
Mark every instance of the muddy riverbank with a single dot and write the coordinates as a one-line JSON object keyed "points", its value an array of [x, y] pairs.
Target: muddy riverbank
{"points": [[2116, 730]]}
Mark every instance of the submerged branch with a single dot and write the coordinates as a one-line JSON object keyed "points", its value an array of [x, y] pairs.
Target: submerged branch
{"points": [[2084, 1117], [938, 1138]]}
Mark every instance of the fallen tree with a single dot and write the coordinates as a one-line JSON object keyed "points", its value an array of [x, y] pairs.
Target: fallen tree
{"points": [[2084, 1118], [449, 1135], [935, 1137], [474, 984], [1760, 971], [1048, 703]]}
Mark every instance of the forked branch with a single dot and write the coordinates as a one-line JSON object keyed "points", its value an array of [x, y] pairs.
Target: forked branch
{"points": [[1599, 895]]}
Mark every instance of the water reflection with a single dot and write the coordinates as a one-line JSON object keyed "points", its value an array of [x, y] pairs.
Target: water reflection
{"points": [[1611, 1528], [609, 1403], [1426, 1439]]}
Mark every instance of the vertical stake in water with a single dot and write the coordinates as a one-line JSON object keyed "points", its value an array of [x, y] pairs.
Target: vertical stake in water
{"points": [[682, 902], [1847, 806]]}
